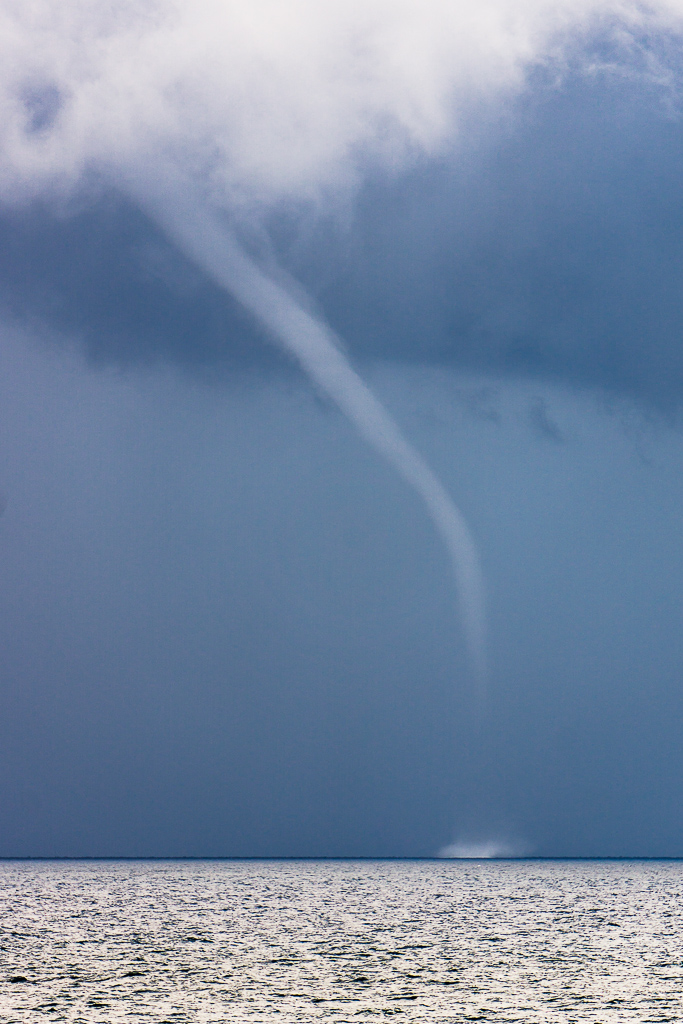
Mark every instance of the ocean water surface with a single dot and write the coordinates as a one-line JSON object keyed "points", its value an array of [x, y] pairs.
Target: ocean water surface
{"points": [[176, 941]]}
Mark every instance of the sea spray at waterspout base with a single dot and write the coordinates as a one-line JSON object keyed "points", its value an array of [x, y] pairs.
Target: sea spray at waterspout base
{"points": [[204, 236]]}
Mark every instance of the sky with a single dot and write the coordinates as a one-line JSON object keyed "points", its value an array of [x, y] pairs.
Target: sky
{"points": [[340, 428]]}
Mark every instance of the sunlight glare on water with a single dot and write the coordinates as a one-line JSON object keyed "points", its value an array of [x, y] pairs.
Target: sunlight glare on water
{"points": [[176, 941]]}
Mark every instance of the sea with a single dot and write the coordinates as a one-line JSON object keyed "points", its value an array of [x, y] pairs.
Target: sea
{"points": [[341, 940]]}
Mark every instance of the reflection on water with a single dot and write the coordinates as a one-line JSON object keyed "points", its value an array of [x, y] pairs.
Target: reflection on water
{"points": [[199, 941]]}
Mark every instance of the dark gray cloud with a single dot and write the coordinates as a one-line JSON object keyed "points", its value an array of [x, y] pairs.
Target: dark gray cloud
{"points": [[541, 421], [555, 252], [101, 274], [551, 249]]}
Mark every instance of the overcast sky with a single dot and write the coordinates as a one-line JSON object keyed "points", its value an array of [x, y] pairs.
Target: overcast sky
{"points": [[228, 625]]}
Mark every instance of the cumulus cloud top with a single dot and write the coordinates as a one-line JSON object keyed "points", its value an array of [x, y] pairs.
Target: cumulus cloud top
{"points": [[268, 99]]}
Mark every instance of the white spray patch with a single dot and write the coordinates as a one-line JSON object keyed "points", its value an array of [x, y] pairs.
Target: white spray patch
{"points": [[482, 849], [205, 237]]}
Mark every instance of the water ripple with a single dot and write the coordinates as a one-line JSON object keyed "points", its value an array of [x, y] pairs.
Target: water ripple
{"points": [[297, 941]]}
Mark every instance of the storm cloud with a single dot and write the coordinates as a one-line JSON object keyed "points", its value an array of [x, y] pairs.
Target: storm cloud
{"points": [[548, 246], [227, 628]]}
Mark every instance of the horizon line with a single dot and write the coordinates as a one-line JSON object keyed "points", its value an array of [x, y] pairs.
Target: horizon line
{"points": [[309, 858]]}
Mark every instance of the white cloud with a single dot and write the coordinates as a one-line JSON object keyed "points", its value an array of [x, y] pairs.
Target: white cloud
{"points": [[265, 99]]}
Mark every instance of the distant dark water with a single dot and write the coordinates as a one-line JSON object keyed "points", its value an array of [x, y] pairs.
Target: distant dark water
{"points": [[451, 941]]}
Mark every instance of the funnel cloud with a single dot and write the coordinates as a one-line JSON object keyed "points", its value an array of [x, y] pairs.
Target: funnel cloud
{"points": [[202, 235]]}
